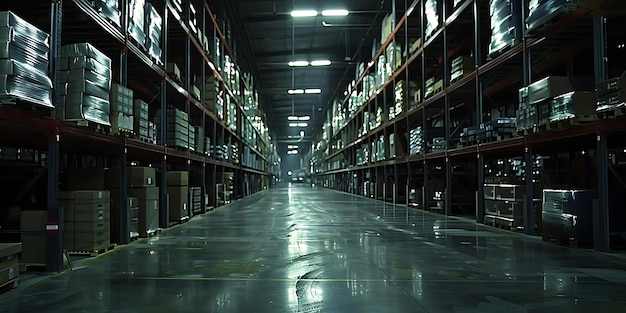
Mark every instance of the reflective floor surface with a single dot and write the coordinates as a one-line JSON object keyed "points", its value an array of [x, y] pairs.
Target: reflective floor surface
{"points": [[315, 250]]}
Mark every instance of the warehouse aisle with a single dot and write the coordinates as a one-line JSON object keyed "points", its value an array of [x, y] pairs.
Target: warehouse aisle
{"points": [[316, 250]]}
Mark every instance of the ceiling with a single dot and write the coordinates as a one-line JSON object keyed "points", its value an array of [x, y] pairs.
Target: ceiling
{"points": [[274, 38]]}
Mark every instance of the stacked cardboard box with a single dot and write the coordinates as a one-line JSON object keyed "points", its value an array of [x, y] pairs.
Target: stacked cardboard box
{"points": [[23, 62], [121, 109], [611, 94], [173, 72], [85, 84], [178, 191], [504, 204], [526, 114], [192, 138], [152, 28], [198, 142], [506, 24], [141, 183], [133, 214], [461, 66], [137, 21], [87, 219], [141, 123], [177, 127], [433, 86], [434, 14], [196, 200], [152, 133], [207, 146], [573, 104], [568, 214], [34, 238], [9, 263]]}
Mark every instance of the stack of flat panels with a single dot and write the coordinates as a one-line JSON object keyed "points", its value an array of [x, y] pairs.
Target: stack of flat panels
{"points": [[542, 11], [611, 94], [568, 214], [177, 128], [108, 9], [192, 138], [434, 14], [506, 24], [416, 141], [137, 21], [121, 109], [152, 29], [504, 204], [178, 191], [140, 110], [141, 185], [462, 66], [472, 134], [541, 93], [87, 219], [9, 263], [23, 62], [573, 104], [196, 200], [218, 152], [86, 83]]}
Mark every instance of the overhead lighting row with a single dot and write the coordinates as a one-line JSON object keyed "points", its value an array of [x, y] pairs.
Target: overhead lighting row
{"points": [[313, 13], [292, 152], [299, 118], [315, 63], [291, 147], [304, 91], [298, 124]]}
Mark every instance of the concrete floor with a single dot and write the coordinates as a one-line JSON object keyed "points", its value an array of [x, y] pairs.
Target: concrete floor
{"points": [[316, 250]]}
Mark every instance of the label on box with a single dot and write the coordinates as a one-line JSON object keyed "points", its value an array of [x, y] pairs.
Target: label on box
{"points": [[149, 180], [184, 206], [11, 273]]}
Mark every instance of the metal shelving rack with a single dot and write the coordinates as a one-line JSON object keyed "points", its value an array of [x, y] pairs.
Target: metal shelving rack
{"points": [[494, 82], [60, 141]]}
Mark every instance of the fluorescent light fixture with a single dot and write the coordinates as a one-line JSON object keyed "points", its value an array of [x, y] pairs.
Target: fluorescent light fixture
{"points": [[292, 118], [292, 147], [299, 63], [303, 124], [313, 91], [335, 12], [321, 63], [303, 13], [295, 91], [302, 133], [291, 152], [304, 118], [293, 124]]}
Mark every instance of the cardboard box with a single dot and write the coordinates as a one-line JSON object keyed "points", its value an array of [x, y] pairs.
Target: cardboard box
{"points": [[136, 177], [34, 245], [74, 212], [9, 249], [553, 86], [146, 193], [9, 274], [86, 196], [85, 227], [175, 178], [178, 202], [148, 208]]}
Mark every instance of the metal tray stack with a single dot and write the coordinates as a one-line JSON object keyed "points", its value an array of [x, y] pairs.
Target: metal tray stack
{"points": [[506, 24], [85, 84], [23, 62], [152, 30]]}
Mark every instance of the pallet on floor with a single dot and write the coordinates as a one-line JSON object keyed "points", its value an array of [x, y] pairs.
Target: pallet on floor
{"points": [[97, 252], [32, 267], [11, 284], [209, 208], [568, 242]]}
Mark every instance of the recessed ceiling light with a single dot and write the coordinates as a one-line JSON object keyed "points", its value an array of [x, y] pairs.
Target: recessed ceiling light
{"points": [[295, 91], [299, 63], [303, 124], [304, 118], [335, 12], [321, 63], [303, 13], [292, 118], [313, 91], [293, 124]]}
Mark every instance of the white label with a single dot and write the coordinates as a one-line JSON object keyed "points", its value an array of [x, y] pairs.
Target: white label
{"points": [[184, 206], [149, 180], [52, 227], [11, 273]]}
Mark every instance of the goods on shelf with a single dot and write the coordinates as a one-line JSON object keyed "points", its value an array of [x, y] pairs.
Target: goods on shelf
{"points": [[178, 195], [387, 27], [9, 263], [433, 86], [137, 21], [611, 94], [195, 196], [121, 109], [504, 204], [140, 110], [133, 215], [461, 66], [148, 198], [542, 11], [393, 54], [568, 214], [218, 152], [108, 9], [178, 6], [434, 14], [497, 129], [438, 144], [152, 29], [85, 84], [23, 62], [87, 219], [416, 141], [506, 24], [573, 104], [177, 127], [173, 71], [152, 133], [198, 141]]}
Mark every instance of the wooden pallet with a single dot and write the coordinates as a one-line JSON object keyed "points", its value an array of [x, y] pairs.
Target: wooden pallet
{"points": [[209, 208], [95, 127], [145, 139], [97, 252], [612, 113], [572, 243], [32, 267], [575, 121], [11, 284], [496, 138]]}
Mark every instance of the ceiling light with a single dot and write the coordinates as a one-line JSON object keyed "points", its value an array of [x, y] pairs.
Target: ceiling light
{"points": [[299, 63], [304, 118], [295, 91], [292, 118], [302, 133], [292, 147], [321, 63], [313, 91], [303, 124], [335, 12], [303, 13], [293, 124]]}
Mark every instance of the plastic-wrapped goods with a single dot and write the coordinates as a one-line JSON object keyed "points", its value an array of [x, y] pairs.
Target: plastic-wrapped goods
{"points": [[177, 128], [506, 24], [136, 21], [416, 141], [108, 9], [542, 11], [85, 83], [568, 214], [140, 110], [433, 10], [152, 29], [24, 62]]}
